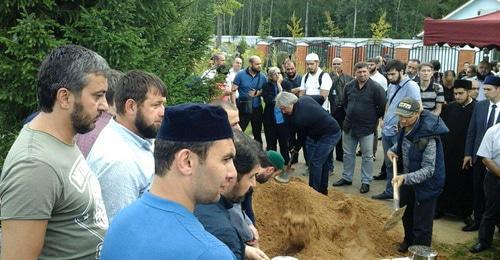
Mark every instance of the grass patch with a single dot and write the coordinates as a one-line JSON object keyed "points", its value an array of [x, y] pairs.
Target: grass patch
{"points": [[461, 251]]}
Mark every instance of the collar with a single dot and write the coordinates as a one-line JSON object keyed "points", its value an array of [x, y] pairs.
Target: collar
{"points": [[468, 103], [225, 203], [146, 144], [497, 103], [403, 81], [164, 204], [247, 70]]}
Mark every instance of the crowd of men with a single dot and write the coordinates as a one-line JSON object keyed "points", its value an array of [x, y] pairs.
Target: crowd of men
{"points": [[105, 171]]}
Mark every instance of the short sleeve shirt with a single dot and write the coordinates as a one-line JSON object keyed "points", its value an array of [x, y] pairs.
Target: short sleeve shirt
{"points": [[490, 146], [46, 179], [246, 82], [432, 95], [407, 89]]}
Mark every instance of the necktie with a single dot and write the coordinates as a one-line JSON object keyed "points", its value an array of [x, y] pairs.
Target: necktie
{"points": [[491, 119]]}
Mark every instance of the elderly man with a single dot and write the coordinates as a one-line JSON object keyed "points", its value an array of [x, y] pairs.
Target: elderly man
{"points": [[216, 217], [193, 154], [51, 201], [336, 98], [420, 152], [364, 103], [122, 156], [316, 83], [317, 130], [218, 59], [412, 69]]}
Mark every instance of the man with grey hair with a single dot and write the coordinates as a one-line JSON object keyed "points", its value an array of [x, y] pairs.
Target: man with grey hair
{"points": [[51, 201], [218, 60], [318, 130]]}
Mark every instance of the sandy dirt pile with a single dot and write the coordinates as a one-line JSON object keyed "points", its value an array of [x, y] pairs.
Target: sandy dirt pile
{"points": [[295, 220]]}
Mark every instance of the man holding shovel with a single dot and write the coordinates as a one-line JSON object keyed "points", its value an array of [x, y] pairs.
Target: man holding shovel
{"points": [[421, 158]]}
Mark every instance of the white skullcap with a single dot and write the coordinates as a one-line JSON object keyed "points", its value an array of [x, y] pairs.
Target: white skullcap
{"points": [[312, 57]]}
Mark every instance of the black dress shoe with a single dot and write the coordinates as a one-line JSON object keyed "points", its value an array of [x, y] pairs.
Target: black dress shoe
{"points": [[403, 247], [295, 158], [341, 182], [380, 177], [382, 196], [478, 248], [470, 228], [364, 188]]}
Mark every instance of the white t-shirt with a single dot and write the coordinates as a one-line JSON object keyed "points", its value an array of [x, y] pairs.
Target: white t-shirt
{"points": [[312, 87], [490, 146], [229, 81], [380, 79]]}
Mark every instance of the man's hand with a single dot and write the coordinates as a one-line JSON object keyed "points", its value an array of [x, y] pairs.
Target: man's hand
{"points": [[252, 93], [253, 253], [280, 79], [391, 155], [467, 162], [255, 233], [397, 181]]}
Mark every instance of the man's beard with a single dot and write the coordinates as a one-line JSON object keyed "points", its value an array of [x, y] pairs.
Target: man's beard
{"points": [[291, 76], [146, 131], [255, 70], [81, 122], [397, 81], [372, 71]]}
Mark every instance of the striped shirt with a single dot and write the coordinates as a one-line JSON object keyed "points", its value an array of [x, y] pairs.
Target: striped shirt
{"points": [[432, 95]]}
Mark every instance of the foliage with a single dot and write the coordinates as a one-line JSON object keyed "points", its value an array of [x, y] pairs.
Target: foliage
{"points": [[381, 28], [331, 29], [226, 7], [164, 37], [294, 27], [242, 45], [264, 31]]}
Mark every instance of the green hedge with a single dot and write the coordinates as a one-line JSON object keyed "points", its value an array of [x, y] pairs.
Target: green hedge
{"points": [[163, 37]]}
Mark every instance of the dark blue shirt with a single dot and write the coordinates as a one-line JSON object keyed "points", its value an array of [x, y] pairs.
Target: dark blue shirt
{"points": [[247, 82], [289, 84], [216, 220]]}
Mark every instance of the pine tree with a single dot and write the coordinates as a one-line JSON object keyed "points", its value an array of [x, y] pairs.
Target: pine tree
{"points": [[294, 27], [381, 28], [331, 29]]}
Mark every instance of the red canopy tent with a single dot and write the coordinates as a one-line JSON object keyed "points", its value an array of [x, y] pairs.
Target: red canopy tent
{"points": [[482, 31]]}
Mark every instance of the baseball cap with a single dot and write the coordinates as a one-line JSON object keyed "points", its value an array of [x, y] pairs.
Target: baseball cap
{"points": [[407, 107]]}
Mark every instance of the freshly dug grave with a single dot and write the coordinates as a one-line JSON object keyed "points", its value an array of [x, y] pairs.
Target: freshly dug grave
{"points": [[295, 220]]}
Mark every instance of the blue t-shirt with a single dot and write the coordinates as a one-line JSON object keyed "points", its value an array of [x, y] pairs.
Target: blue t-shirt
{"points": [[407, 89], [247, 82], [156, 228]]}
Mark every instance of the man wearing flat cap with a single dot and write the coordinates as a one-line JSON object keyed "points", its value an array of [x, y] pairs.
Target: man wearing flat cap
{"points": [[421, 163], [457, 197], [193, 154], [484, 116]]}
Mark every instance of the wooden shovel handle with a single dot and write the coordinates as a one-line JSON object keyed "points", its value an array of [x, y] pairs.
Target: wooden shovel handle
{"points": [[394, 174]]}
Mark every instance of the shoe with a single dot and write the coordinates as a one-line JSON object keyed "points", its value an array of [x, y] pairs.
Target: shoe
{"points": [[295, 158], [468, 221], [339, 159], [382, 196], [478, 248], [364, 188], [380, 177], [341, 182], [473, 227], [403, 247], [358, 153]]}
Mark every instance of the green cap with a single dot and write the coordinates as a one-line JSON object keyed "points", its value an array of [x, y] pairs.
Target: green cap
{"points": [[276, 159], [407, 107]]}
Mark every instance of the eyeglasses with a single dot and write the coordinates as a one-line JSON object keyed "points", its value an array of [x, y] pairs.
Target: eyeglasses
{"points": [[336, 64]]}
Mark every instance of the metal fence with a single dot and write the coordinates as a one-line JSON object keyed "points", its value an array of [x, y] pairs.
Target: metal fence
{"points": [[371, 49], [320, 48], [446, 55]]}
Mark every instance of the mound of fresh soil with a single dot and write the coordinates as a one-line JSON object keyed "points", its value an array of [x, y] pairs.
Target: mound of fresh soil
{"points": [[293, 219]]}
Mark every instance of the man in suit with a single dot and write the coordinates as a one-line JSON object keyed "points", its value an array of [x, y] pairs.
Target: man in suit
{"points": [[484, 116]]}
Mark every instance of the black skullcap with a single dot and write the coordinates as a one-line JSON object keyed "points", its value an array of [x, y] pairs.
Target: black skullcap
{"points": [[195, 123], [492, 80], [462, 83]]}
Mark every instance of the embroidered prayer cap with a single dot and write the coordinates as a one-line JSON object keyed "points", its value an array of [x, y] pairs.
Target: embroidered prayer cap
{"points": [[492, 80], [276, 159], [407, 107], [195, 123], [462, 83]]}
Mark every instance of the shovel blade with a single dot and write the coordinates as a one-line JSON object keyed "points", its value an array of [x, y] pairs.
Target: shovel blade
{"points": [[283, 177], [394, 218]]}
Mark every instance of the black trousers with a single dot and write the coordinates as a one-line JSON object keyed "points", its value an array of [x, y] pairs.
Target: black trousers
{"points": [[491, 214], [255, 119], [339, 115], [418, 217], [278, 133], [478, 173]]}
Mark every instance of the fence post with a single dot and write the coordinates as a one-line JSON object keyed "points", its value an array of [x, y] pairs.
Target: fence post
{"points": [[465, 56], [402, 53], [347, 56], [300, 56], [263, 50]]}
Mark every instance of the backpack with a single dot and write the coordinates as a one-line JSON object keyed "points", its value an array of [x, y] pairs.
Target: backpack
{"points": [[320, 79]]}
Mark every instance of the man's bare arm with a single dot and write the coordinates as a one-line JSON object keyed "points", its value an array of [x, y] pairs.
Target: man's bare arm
{"points": [[22, 239]]}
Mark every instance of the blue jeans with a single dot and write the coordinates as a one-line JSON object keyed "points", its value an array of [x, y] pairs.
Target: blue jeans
{"points": [[319, 153], [349, 143], [387, 143]]}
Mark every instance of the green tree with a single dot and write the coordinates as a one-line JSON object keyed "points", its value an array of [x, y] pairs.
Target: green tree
{"points": [[294, 27], [331, 29], [223, 7], [264, 29], [381, 28]]}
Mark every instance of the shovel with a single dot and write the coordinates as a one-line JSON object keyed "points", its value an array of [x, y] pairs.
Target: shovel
{"points": [[398, 212], [284, 176]]}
